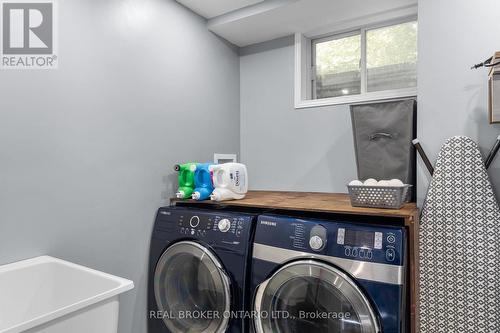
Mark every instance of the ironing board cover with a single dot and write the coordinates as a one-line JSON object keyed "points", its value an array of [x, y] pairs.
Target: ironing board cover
{"points": [[460, 245]]}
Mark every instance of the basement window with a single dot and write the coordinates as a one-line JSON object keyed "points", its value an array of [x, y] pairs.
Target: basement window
{"points": [[363, 65]]}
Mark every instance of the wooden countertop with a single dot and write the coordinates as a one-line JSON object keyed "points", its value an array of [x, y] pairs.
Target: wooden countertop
{"points": [[309, 201]]}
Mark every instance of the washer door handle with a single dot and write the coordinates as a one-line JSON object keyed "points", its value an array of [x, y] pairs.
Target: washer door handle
{"points": [[259, 294]]}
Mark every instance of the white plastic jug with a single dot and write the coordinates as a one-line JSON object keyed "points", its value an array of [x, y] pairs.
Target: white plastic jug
{"points": [[230, 181]]}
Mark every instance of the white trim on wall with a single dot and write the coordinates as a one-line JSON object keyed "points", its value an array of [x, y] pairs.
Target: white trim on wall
{"points": [[303, 71]]}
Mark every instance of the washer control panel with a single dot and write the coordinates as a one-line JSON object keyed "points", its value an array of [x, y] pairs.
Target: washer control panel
{"points": [[342, 239], [217, 228], [194, 225], [318, 238], [224, 225], [229, 226], [201, 225], [316, 243], [365, 244]]}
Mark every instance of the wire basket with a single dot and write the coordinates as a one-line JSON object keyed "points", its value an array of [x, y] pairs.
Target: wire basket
{"points": [[393, 197]]}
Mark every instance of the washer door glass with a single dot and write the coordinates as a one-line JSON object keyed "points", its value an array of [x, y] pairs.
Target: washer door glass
{"points": [[191, 289], [310, 296]]}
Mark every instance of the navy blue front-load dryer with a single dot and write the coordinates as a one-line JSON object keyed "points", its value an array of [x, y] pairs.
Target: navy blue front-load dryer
{"points": [[328, 276], [198, 269]]}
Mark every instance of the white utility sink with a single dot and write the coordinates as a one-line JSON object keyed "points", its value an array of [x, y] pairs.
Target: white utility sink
{"points": [[49, 295]]}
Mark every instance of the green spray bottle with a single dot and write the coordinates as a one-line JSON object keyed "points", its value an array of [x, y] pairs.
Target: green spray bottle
{"points": [[186, 180]]}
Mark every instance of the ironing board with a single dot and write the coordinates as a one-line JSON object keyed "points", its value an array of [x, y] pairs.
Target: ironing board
{"points": [[460, 245]]}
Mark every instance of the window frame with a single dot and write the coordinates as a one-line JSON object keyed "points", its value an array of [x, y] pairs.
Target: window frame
{"points": [[305, 66]]}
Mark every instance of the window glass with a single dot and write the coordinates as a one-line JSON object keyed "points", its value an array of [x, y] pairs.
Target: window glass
{"points": [[371, 60], [391, 57], [337, 67]]}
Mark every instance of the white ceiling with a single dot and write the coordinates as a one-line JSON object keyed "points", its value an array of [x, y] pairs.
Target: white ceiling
{"points": [[246, 22], [213, 8]]}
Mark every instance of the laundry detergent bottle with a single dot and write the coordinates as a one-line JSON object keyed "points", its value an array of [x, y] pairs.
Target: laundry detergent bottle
{"points": [[203, 185], [230, 181], [186, 180]]}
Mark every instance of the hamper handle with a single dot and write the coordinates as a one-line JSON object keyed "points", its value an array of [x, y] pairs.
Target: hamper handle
{"points": [[379, 135]]}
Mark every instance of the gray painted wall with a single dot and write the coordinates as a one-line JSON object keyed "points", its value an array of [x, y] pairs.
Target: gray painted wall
{"points": [[87, 151], [284, 148], [312, 149], [454, 35]]}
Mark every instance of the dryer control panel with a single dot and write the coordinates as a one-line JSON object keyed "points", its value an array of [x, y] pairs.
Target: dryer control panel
{"points": [[341, 239]]}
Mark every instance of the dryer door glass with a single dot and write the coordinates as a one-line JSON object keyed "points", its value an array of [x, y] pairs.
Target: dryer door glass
{"points": [[191, 289], [310, 296]]}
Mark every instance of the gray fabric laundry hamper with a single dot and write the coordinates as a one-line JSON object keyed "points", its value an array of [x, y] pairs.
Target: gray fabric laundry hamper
{"points": [[383, 134]]}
